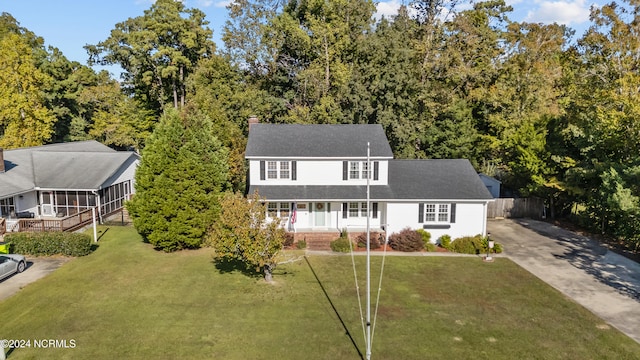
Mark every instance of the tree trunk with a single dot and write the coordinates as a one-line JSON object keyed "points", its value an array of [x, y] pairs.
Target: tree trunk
{"points": [[268, 273]]}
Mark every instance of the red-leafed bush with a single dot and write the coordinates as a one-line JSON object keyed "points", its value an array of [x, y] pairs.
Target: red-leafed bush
{"points": [[406, 240]]}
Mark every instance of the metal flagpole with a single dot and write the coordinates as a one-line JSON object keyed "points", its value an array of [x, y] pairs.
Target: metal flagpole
{"points": [[368, 259]]}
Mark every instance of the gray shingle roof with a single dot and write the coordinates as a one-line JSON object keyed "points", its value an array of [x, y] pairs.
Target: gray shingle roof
{"points": [[409, 180], [320, 192], [83, 165], [453, 179], [325, 141]]}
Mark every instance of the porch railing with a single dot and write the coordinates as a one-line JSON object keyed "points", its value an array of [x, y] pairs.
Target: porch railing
{"points": [[69, 223]]}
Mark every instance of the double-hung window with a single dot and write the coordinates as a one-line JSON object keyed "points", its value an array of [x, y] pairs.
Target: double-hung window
{"points": [[272, 169], [365, 169], [359, 210], [281, 210], [278, 169], [354, 210], [436, 212], [354, 170]]}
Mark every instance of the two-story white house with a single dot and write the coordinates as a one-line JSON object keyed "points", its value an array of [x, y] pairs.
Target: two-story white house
{"points": [[314, 177]]}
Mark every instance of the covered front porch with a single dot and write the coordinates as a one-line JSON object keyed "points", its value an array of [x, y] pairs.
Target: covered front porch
{"points": [[322, 216]]}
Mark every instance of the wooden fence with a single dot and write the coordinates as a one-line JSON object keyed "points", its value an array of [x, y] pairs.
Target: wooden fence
{"points": [[516, 208]]}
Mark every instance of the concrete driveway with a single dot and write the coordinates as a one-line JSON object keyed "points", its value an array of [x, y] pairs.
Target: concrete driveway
{"points": [[37, 267], [602, 281]]}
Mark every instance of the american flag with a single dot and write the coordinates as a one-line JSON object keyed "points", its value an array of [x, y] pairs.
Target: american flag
{"points": [[294, 213]]}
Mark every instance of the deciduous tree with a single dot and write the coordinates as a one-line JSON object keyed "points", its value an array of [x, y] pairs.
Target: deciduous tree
{"points": [[157, 51], [243, 233], [24, 118]]}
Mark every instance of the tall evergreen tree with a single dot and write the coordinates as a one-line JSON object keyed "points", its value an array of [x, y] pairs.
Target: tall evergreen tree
{"points": [[178, 183]]}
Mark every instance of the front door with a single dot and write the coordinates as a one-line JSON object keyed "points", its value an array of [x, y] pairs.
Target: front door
{"points": [[320, 212], [47, 204]]}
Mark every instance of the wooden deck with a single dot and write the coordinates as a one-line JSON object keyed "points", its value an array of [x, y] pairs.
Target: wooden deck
{"points": [[69, 223]]}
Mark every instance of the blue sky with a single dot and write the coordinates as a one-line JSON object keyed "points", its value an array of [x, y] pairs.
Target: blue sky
{"points": [[71, 24]]}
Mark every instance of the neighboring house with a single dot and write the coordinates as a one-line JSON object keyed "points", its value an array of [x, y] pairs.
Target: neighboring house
{"points": [[492, 184], [314, 177], [59, 180]]}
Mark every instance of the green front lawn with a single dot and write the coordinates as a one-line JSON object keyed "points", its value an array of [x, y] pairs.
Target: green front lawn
{"points": [[128, 301]]}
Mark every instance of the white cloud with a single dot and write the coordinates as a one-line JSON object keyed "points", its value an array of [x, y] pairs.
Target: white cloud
{"points": [[387, 9], [561, 12], [221, 4]]}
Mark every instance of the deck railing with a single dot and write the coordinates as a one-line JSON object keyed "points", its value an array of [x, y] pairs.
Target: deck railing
{"points": [[69, 223]]}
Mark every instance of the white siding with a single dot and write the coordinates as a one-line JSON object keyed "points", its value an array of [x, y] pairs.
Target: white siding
{"points": [[27, 202], [317, 172], [470, 220], [124, 174]]}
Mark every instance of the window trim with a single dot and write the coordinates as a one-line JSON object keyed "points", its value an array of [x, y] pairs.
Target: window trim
{"points": [[432, 213], [277, 209], [278, 170]]}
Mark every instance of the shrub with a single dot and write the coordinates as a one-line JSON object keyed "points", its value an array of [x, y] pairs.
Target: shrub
{"points": [[426, 237], [468, 245], [445, 241], [374, 240], [406, 240], [301, 244], [341, 244], [430, 247], [497, 248], [49, 243], [288, 240]]}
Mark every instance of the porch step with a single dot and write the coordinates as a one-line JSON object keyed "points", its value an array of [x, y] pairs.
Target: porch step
{"points": [[317, 240]]}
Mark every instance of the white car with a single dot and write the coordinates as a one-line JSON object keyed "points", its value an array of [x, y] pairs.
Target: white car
{"points": [[11, 264]]}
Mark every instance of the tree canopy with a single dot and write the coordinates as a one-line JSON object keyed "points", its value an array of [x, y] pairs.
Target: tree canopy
{"points": [[549, 112], [157, 51]]}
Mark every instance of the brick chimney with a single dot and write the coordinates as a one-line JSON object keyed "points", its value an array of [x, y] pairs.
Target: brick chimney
{"points": [[253, 120], [1, 161]]}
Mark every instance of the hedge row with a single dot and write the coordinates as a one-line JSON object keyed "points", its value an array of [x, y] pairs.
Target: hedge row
{"points": [[49, 243]]}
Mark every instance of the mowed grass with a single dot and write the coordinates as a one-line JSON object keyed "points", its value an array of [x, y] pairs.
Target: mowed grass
{"points": [[128, 301]]}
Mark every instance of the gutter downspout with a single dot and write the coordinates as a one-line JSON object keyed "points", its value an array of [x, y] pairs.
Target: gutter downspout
{"points": [[484, 218]]}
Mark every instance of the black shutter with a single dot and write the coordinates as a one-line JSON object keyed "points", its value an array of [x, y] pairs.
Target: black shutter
{"points": [[345, 167], [310, 208], [294, 175], [345, 206], [329, 208], [376, 166], [262, 177], [453, 213], [421, 213], [375, 210]]}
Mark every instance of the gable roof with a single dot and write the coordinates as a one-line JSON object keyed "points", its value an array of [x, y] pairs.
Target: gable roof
{"points": [[409, 180], [322, 141], [84, 165]]}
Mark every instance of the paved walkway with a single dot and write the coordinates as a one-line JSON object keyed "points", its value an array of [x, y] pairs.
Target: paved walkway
{"points": [[37, 267], [602, 281]]}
